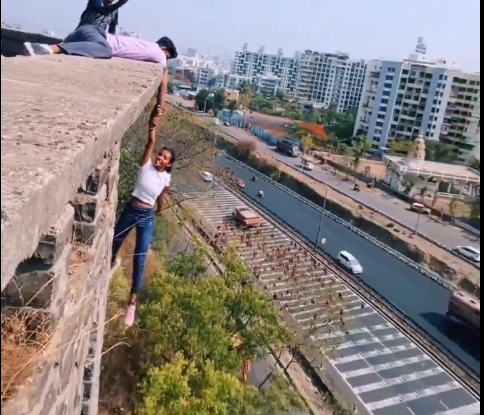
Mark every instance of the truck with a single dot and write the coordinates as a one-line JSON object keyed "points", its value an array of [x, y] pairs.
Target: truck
{"points": [[247, 218], [465, 308], [289, 147]]}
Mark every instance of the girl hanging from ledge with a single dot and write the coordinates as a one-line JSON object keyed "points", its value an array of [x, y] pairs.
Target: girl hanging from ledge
{"points": [[152, 186]]}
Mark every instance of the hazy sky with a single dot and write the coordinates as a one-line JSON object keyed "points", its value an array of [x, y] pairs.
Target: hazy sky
{"points": [[365, 29]]}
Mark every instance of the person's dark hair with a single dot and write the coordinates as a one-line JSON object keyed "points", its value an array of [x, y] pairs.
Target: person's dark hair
{"points": [[167, 43], [172, 158]]}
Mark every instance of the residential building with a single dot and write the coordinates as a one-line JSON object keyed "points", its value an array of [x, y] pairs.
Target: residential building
{"points": [[250, 65], [267, 85], [204, 76], [463, 115], [234, 81], [402, 99], [191, 53], [331, 79]]}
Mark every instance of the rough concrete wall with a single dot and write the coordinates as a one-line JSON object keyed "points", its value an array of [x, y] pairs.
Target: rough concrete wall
{"points": [[66, 282], [59, 115], [13, 40], [62, 122]]}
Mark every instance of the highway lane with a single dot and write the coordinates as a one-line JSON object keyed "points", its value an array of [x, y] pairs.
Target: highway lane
{"points": [[386, 204], [424, 301]]}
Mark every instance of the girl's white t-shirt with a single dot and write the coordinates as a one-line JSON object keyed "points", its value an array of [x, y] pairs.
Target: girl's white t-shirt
{"points": [[150, 183]]}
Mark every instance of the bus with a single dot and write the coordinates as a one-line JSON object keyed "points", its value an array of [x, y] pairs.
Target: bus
{"points": [[465, 308]]}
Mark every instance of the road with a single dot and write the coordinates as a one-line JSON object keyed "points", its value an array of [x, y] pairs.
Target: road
{"points": [[387, 204], [424, 301]]}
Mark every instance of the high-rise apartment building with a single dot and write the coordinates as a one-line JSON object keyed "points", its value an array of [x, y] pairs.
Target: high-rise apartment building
{"points": [[191, 52], [402, 99], [332, 79], [251, 65]]}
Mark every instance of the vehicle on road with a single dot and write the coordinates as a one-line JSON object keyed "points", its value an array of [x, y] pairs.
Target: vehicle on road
{"points": [[260, 194], [420, 208], [207, 177], [246, 217], [239, 183], [226, 124], [307, 163], [469, 252], [348, 261], [289, 147], [466, 308]]}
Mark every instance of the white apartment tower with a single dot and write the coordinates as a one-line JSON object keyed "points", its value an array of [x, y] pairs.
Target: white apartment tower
{"points": [[332, 79], [251, 65], [402, 99]]}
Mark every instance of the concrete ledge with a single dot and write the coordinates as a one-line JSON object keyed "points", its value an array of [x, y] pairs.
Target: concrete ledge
{"points": [[59, 116]]}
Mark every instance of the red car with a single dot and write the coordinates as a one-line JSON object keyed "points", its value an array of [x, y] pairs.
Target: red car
{"points": [[239, 183]]}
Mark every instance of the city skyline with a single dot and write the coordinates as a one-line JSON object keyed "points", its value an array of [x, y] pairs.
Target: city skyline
{"points": [[368, 31]]}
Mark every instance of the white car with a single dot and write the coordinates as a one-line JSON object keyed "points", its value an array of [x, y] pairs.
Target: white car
{"points": [[207, 177], [308, 166], [350, 262], [469, 252]]}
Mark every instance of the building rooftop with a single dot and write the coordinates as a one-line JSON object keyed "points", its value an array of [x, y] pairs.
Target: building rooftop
{"points": [[59, 115], [430, 168]]}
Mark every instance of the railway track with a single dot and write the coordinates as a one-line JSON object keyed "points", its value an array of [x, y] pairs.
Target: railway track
{"points": [[302, 296]]}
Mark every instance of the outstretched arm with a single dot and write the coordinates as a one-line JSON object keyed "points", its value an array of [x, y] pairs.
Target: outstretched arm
{"points": [[150, 147], [113, 25], [98, 6], [161, 97]]}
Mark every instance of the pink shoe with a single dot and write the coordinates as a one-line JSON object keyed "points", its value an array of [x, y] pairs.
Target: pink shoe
{"points": [[130, 314]]}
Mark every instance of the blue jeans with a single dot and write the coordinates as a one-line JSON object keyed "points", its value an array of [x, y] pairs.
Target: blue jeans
{"points": [[89, 41], [144, 221]]}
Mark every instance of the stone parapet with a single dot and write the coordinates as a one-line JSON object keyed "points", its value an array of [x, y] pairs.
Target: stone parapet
{"points": [[62, 122], [59, 116], [67, 283]]}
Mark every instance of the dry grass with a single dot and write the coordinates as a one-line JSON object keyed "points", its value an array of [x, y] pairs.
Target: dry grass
{"points": [[25, 335]]}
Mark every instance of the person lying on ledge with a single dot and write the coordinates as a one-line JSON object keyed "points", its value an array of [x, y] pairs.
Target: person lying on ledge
{"points": [[92, 42]]}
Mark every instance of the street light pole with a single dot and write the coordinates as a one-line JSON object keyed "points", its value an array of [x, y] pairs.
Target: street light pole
{"points": [[322, 217], [417, 224], [209, 96]]}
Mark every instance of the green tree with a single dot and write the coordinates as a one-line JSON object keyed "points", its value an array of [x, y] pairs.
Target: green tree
{"points": [[440, 152], [233, 106], [187, 388], [360, 146], [281, 95], [475, 163], [245, 93], [307, 144], [342, 125], [400, 147], [210, 101], [411, 181]]}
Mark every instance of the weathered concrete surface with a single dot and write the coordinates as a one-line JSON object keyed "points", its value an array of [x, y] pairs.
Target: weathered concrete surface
{"points": [[13, 40], [59, 116]]}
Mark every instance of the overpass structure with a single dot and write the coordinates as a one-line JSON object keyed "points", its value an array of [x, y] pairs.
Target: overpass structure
{"points": [[62, 122]]}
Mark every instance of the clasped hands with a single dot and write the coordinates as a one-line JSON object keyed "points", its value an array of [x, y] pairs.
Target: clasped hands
{"points": [[155, 117]]}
